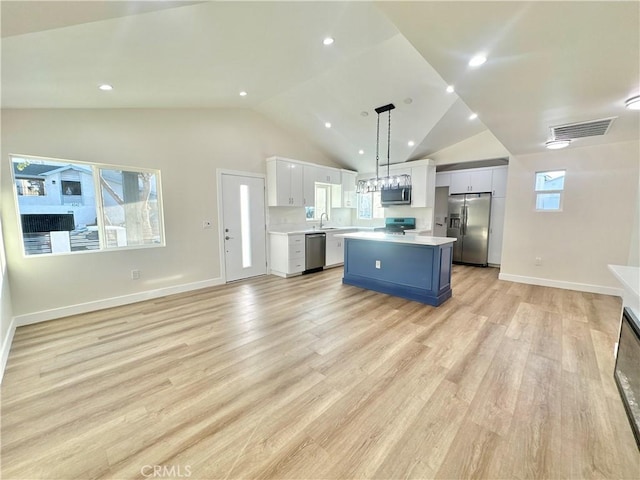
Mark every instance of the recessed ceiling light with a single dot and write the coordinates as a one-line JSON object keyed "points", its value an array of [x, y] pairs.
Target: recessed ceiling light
{"points": [[327, 124], [450, 89], [473, 116], [243, 93], [557, 144], [105, 87], [633, 103], [477, 60], [364, 113], [361, 152], [327, 41], [408, 100], [411, 143]]}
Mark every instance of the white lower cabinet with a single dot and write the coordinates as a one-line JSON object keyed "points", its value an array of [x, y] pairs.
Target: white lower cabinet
{"points": [[287, 254], [335, 248]]}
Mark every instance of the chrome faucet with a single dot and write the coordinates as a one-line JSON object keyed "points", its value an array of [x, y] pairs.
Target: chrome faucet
{"points": [[323, 213]]}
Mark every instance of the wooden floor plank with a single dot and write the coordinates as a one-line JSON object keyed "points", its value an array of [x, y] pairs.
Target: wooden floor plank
{"points": [[308, 378]]}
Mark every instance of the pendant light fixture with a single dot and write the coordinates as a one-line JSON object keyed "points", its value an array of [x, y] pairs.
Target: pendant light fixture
{"points": [[389, 181]]}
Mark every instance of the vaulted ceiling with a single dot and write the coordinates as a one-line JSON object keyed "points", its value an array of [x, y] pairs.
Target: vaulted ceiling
{"points": [[548, 63]]}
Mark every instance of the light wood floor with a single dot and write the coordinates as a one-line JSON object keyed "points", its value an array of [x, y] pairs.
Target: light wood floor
{"points": [[306, 378]]}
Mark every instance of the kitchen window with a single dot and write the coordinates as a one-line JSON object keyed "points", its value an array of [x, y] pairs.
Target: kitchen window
{"points": [[549, 188], [322, 202], [370, 206], [87, 207]]}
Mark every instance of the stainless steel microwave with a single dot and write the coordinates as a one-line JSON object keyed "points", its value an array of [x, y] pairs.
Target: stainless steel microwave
{"points": [[396, 196]]}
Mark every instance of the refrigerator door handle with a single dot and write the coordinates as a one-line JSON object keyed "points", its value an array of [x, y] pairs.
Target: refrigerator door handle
{"points": [[463, 223]]}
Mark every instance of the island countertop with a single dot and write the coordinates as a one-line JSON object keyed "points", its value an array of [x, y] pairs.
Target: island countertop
{"points": [[391, 238]]}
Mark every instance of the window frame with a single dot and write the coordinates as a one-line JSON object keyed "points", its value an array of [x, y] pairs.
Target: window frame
{"points": [[29, 180], [556, 191], [62, 188], [374, 207], [314, 208], [95, 168]]}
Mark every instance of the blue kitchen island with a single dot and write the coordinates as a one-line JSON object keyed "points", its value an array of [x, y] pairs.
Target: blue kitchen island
{"points": [[415, 267]]}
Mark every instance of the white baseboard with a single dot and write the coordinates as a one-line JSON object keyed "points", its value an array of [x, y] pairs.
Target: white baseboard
{"points": [[545, 282], [6, 346], [46, 315]]}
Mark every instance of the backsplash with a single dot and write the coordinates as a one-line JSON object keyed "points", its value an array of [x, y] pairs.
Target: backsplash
{"points": [[292, 218], [424, 217]]}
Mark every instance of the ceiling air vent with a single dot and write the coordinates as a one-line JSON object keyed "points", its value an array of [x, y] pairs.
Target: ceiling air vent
{"points": [[583, 129]]}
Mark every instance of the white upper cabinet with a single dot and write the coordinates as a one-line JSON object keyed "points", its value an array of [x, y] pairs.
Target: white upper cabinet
{"points": [[328, 175], [395, 169], [284, 183], [348, 189], [423, 186], [470, 181], [291, 183], [499, 182], [310, 176], [443, 179]]}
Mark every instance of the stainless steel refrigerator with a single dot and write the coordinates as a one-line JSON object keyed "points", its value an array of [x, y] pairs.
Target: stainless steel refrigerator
{"points": [[468, 222]]}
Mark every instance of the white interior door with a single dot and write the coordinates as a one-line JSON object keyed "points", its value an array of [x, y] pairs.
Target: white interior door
{"points": [[243, 226]]}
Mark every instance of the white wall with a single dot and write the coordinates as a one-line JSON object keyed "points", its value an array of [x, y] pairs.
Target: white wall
{"points": [[482, 146], [187, 145], [634, 244], [596, 224], [6, 311]]}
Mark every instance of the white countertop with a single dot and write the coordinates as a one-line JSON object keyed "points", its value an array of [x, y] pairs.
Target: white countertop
{"points": [[412, 239], [311, 230], [629, 277]]}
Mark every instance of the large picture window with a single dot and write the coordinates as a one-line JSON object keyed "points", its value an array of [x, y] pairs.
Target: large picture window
{"points": [[87, 206]]}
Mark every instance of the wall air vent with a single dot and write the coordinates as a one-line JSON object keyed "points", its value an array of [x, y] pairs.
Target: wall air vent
{"points": [[583, 129]]}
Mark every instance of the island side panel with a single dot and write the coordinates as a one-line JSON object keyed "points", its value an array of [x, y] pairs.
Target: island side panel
{"points": [[446, 257], [416, 272]]}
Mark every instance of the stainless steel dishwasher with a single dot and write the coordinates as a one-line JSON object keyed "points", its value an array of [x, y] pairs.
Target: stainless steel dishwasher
{"points": [[315, 251]]}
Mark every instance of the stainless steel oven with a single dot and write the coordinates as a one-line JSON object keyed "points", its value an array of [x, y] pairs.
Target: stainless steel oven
{"points": [[627, 369]]}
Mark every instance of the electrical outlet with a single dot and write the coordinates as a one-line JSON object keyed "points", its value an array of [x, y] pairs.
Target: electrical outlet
{"points": [[135, 274], [377, 264], [207, 224], [538, 261]]}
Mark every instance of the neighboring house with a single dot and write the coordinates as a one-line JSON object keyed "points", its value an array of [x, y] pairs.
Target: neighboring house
{"points": [[55, 189]]}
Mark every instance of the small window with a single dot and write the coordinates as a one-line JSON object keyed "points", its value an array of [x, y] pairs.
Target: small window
{"points": [[30, 187], [71, 188], [370, 206], [322, 202], [549, 188]]}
